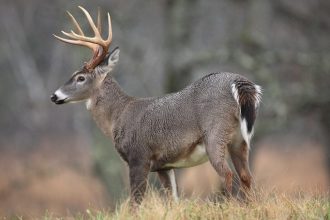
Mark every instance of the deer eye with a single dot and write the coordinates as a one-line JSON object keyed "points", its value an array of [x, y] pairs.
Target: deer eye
{"points": [[80, 79]]}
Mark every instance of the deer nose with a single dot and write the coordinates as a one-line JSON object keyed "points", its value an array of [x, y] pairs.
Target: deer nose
{"points": [[53, 98]]}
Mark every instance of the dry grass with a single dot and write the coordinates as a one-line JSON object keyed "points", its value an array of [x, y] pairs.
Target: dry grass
{"points": [[262, 206]]}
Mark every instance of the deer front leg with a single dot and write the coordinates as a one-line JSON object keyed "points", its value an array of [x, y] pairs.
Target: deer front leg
{"points": [[138, 174], [167, 178]]}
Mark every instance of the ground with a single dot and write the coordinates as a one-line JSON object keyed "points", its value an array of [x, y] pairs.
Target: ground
{"points": [[271, 205]]}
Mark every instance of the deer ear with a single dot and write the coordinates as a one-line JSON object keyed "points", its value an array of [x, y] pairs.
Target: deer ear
{"points": [[113, 58], [108, 63]]}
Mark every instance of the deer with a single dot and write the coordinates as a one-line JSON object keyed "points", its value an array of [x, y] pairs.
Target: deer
{"points": [[212, 119]]}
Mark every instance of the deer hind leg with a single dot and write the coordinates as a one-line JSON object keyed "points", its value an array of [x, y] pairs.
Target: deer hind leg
{"points": [[240, 158], [167, 178], [216, 145]]}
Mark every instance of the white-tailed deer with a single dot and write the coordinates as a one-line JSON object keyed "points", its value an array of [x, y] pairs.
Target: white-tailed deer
{"points": [[212, 117]]}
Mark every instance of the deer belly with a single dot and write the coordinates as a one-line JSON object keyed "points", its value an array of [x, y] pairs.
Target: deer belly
{"points": [[197, 156]]}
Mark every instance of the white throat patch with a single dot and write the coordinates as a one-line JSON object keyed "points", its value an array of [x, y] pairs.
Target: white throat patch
{"points": [[88, 104]]}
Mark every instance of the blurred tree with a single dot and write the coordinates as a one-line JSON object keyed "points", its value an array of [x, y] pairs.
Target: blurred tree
{"points": [[179, 25]]}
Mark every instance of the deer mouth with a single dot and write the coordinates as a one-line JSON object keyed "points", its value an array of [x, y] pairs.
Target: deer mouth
{"points": [[59, 102]]}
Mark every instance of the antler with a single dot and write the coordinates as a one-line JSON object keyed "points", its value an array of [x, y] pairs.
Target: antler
{"points": [[99, 46]]}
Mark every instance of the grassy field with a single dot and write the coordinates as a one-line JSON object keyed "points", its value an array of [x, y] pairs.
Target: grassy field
{"points": [[262, 206]]}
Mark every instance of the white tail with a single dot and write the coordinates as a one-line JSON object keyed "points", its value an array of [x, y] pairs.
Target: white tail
{"points": [[248, 97]]}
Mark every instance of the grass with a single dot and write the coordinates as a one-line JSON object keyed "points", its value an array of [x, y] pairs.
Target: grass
{"points": [[262, 206]]}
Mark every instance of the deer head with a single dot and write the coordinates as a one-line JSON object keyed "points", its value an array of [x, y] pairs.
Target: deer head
{"points": [[82, 83]]}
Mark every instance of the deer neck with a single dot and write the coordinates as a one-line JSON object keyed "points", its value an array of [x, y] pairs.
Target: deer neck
{"points": [[107, 104]]}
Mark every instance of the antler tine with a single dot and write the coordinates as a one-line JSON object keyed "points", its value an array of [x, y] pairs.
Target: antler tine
{"points": [[94, 40], [109, 31], [78, 37], [99, 24], [71, 35], [91, 22], [94, 47], [74, 21]]}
